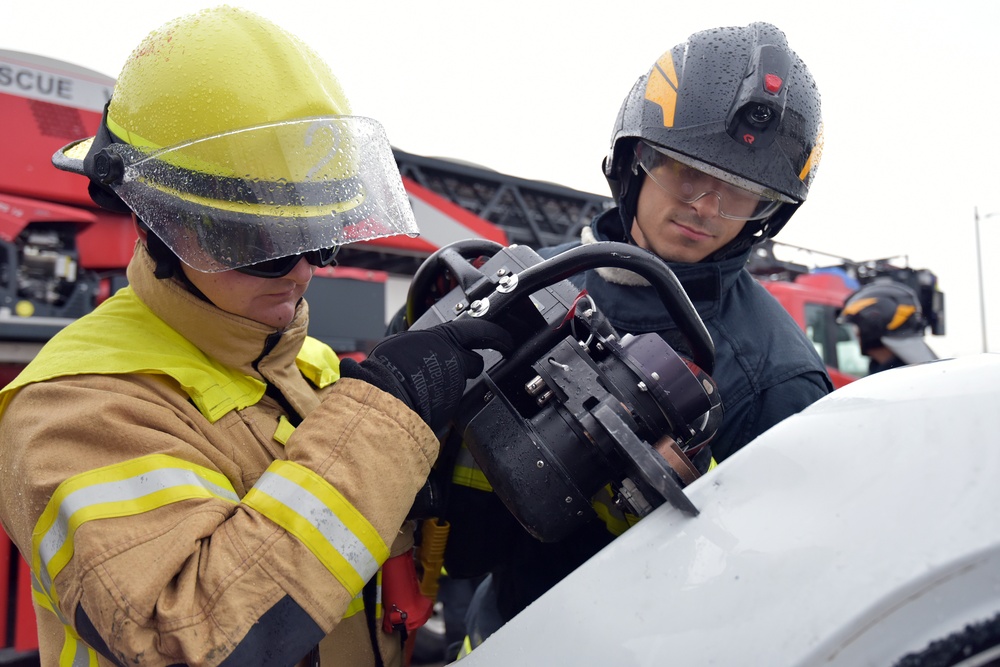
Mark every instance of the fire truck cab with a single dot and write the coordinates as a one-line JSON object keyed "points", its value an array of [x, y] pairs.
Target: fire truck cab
{"points": [[814, 297]]}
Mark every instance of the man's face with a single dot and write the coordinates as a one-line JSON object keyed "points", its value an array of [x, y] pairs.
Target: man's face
{"points": [[680, 232], [270, 301]]}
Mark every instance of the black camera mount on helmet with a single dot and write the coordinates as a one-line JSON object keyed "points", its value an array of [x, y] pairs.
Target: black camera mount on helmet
{"points": [[576, 407]]}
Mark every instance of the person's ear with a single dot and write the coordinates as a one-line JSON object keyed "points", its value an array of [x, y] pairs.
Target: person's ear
{"points": [[141, 230]]}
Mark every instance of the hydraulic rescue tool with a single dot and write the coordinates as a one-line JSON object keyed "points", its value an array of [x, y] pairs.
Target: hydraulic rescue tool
{"points": [[576, 407]]}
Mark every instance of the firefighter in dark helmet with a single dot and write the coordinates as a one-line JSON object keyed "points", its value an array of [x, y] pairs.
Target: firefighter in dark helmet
{"points": [[193, 479], [714, 149], [890, 324]]}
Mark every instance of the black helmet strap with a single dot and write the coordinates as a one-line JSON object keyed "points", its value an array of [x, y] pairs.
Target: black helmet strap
{"points": [[168, 264], [625, 185], [629, 184]]}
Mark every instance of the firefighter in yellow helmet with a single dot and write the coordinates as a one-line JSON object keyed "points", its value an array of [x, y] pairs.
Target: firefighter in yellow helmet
{"points": [[192, 478]]}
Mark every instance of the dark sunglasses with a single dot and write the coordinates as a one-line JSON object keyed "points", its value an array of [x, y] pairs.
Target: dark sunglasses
{"points": [[276, 268]]}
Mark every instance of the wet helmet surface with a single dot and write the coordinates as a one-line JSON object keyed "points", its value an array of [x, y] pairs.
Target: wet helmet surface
{"points": [[735, 102]]}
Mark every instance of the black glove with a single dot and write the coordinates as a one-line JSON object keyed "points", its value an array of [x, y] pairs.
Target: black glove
{"points": [[428, 368]]}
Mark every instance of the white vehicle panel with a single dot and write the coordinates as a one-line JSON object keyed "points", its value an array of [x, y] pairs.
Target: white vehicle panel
{"points": [[852, 534]]}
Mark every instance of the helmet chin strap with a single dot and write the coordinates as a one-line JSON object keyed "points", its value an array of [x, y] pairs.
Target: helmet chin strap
{"points": [[630, 183], [168, 265]]}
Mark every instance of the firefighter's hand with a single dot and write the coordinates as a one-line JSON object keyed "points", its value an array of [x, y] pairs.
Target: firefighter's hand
{"points": [[428, 368]]}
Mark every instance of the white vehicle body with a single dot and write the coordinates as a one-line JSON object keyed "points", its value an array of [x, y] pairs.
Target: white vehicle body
{"points": [[851, 534]]}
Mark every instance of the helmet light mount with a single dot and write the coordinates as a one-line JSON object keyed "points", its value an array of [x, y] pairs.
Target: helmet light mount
{"points": [[576, 407], [760, 101]]}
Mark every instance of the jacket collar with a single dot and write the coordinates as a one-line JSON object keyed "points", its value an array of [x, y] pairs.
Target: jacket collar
{"points": [[235, 341]]}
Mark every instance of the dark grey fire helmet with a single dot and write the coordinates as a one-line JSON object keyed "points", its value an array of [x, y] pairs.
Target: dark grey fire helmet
{"points": [[888, 314], [734, 102]]}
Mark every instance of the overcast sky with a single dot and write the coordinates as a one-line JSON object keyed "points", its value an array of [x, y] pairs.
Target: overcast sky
{"points": [[531, 89]]}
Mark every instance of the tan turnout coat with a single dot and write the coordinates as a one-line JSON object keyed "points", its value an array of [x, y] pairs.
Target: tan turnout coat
{"points": [[184, 580]]}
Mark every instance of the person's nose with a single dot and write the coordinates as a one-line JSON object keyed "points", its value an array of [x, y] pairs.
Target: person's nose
{"points": [[302, 272], [708, 205]]}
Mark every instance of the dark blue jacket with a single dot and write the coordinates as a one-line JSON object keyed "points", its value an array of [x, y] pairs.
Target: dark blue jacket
{"points": [[766, 368]]}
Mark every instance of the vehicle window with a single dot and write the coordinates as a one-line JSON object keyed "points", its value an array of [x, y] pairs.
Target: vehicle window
{"points": [[837, 344], [817, 321], [849, 357]]}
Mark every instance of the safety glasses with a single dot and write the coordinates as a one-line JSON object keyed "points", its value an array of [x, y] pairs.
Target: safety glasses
{"points": [[282, 266], [689, 184]]}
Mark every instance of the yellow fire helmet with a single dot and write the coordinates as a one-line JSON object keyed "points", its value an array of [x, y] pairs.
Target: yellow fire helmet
{"points": [[235, 144]]}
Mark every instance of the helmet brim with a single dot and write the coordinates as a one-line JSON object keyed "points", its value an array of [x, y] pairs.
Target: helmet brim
{"points": [[911, 349], [70, 157]]}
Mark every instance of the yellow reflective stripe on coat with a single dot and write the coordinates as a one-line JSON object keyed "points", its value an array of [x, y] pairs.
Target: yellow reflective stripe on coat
{"points": [[357, 604], [76, 653], [468, 473], [281, 434], [308, 507], [123, 489]]}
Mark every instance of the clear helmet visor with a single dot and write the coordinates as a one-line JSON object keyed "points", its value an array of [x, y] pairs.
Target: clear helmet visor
{"points": [[690, 180], [261, 193]]}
